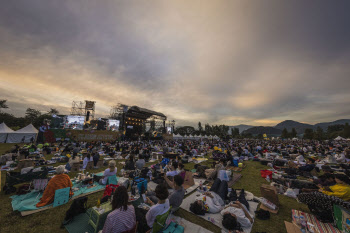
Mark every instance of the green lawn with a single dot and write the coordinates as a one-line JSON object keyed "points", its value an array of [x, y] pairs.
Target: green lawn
{"points": [[50, 220]]}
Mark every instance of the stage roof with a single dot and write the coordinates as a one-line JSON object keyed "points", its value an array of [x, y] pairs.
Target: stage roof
{"points": [[144, 113]]}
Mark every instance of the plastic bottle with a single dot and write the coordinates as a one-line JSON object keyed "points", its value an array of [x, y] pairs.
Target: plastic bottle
{"points": [[98, 203], [149, 174], [200, 185]]}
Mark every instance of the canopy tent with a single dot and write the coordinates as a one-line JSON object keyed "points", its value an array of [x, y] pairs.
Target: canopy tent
{"points": [[295, 139], [26, 133], [339, 139], [177, 136], [4, 131]]}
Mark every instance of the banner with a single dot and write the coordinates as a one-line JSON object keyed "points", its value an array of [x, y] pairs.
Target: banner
{"points": [[81, 135], [92, 135]]}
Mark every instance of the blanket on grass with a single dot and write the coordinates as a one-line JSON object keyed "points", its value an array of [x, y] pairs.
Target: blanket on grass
{"points": [[316, 226], [215, 218], [152, 186], [57, 182], [28, 201]]}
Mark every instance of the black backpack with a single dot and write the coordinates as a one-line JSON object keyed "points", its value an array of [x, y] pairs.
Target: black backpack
{"points": [[78, 206]]}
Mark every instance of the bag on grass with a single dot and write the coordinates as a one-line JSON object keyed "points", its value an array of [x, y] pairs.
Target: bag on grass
{"points": [[262, 214], [109, 190], [78, 206], [174, 228]]}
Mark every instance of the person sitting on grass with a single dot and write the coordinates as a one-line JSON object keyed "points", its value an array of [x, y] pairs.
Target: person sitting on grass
{"points": [[59, 181], [130, 164], [146, 220], [122, 218], [111, 171], [87, 159], [175, 198], [161, 207], [172, 169], [140, 163]]}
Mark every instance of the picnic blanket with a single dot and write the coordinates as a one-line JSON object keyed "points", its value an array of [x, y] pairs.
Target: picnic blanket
{"points": [[230, 183], [28, 201], [188, 226], [215, 218], [152, 186], [317, 225]]}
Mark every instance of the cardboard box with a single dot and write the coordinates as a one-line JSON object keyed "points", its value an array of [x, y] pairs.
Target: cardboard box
{"points": [[270, 193], [291, 228], [188, 181], [25, 163]]}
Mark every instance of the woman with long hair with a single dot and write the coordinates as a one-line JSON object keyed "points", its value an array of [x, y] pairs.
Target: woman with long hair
{"points": [[122, 218]]}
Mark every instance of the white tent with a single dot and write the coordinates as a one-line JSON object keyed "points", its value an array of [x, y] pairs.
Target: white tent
{"points": [[4, 131], [27, 133], [177, 136], [339, 139], [295, 139]]}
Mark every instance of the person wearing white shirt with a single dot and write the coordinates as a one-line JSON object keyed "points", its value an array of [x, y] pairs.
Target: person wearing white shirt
{"points": [[161, 207], [300, 159], [236, 216], [86, 160], [212, 201], [173, 168]]}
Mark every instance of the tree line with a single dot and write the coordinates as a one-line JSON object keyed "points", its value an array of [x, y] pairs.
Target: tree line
{"points": [[319, 134], [32, 116]]}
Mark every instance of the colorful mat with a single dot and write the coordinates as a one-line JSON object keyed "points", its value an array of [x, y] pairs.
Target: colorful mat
{"points": [[317, 225], [28, 201]]}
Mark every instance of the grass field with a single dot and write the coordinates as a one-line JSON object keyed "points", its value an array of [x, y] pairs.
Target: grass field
{"points": [[50, 220]]}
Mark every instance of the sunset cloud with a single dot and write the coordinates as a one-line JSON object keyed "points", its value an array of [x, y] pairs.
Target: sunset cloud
{"points": [[221, 62]]}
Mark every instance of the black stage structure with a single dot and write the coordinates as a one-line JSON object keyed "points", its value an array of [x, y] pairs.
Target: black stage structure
{"points": [[137, 122]]}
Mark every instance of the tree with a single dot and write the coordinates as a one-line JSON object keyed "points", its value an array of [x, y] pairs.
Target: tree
{"points": [[200, 128], [3, 104], [259, 136], [294, 133], [319, 134], [285, 133], [185, 130], [32, 114], [308, 134], [235, 132], [346, 133], [53, 111]]}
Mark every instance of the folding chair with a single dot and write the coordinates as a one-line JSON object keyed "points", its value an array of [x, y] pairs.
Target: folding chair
{"points": [[160, 222], [112, 180], [61, 196]]}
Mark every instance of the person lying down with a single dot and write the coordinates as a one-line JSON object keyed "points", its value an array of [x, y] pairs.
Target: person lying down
{"points": [[236, 217]]}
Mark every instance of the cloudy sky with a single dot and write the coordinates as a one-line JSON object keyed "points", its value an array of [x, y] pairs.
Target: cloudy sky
{"points": [[231, 62]]}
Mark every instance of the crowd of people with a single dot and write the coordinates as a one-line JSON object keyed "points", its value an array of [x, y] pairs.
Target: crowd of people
{"points": [[298, 156]]}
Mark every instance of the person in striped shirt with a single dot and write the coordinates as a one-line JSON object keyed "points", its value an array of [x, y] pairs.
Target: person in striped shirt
{"points": [[122, 218]]}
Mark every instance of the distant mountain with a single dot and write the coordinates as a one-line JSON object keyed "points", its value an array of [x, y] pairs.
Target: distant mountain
{"points": [[289, 125], [325, 125], [263, 130], [240, 127]]}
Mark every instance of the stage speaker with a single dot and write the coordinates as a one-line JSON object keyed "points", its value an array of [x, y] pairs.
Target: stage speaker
{"points": [[87, 115], [101, 125]]}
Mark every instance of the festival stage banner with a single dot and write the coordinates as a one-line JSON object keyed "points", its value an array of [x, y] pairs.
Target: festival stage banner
{"points": [[81, 135], [92, 135]]}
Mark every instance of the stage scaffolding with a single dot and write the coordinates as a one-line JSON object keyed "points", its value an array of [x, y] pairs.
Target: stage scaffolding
{"points": [[83, 108]]}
